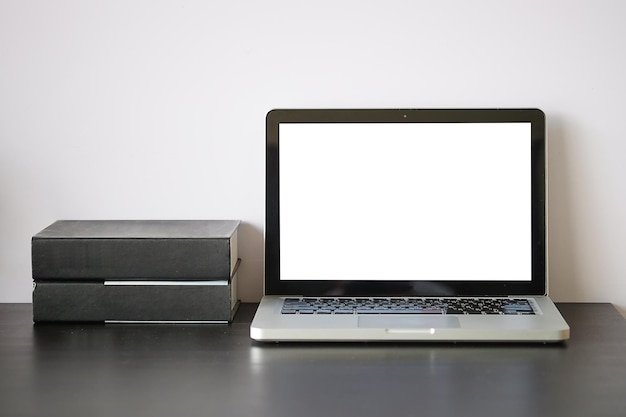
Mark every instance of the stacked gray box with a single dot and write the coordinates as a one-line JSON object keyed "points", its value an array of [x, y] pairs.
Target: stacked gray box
{"points": [[136, 270]]}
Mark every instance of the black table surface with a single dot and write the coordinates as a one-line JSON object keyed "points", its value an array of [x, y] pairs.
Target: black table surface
{"points": [[217, 370]]}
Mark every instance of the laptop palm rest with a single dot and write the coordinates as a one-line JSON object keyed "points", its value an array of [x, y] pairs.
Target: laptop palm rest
{"points": [[409, 322]]}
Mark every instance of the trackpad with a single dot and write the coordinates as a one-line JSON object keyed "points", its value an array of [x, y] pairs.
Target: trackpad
{"points": [[408, 322]]}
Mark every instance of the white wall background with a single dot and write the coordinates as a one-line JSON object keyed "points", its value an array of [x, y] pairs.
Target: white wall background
{"points": [[155, 109]]}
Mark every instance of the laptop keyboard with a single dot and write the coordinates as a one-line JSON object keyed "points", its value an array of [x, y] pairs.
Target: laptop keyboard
{"points": [[497, 306]]}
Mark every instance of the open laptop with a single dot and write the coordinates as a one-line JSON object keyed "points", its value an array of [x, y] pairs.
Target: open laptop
{"points": [[406, 224]]}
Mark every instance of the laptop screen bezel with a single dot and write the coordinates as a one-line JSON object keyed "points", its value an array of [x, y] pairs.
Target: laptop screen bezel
{"points": [[536, 286]]}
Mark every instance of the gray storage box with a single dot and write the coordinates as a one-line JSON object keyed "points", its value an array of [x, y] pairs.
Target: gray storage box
{"points": [[136, 271], [135, 249]]}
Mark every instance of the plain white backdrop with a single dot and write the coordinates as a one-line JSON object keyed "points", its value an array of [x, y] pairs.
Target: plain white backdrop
{"points": [[155, 109]]}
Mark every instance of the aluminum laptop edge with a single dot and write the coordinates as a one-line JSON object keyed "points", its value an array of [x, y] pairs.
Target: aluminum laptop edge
{"points": [[406, 204]]}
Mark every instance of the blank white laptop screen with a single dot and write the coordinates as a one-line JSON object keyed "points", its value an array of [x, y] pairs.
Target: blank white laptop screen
{"points": [[416, 201]]}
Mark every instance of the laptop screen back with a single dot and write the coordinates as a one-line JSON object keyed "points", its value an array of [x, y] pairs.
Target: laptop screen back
{"points": [[405, 202]]}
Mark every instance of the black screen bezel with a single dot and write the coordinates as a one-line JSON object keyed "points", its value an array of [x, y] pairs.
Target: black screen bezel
{"points": [[537, 284]]}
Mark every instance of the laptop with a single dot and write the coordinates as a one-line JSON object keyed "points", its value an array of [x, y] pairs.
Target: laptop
{"points": [[406, 225]]}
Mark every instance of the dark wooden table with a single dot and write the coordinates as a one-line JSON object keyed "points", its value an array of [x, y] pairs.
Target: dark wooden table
{"points": [[216, 370]]}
